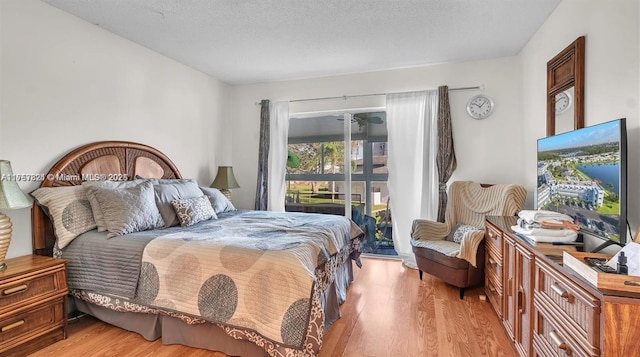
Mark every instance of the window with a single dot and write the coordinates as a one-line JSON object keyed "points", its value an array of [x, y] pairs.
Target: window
{"points": [[316, 167]]}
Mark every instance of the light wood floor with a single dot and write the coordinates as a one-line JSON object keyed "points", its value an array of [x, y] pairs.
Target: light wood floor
{"points": [[388, 312]]}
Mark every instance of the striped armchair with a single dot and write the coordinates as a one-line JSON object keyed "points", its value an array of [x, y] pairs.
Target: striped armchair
{"points": [[454, 250]]}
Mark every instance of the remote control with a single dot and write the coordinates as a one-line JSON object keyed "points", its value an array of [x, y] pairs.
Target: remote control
{"points": [[600, 264]]}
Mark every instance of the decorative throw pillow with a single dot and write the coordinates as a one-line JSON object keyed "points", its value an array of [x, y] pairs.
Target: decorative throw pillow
{"points": [[68, 209], [167, 191], [219, 202], [130, 209], [90, 189], [458, 232], [193, 210]]}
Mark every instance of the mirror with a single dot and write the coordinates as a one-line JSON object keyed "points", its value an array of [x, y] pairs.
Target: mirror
{"points": [[565, 89]]}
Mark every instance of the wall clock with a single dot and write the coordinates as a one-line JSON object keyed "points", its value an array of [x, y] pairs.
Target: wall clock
{"points": [[563, 102], [480, 106]]}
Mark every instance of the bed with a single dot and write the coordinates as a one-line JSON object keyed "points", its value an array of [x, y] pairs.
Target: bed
{"points": [[246, 283]]}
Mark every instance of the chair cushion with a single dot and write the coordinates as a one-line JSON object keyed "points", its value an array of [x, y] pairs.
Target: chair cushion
{"points": [[438, 251]]}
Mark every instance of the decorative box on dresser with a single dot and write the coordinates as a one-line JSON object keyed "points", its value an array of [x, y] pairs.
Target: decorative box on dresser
{"points": [[33, 292], [548, 309]]}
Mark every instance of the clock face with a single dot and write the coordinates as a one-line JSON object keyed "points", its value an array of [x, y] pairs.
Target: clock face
{"points": [[563, 102], [480, 107]]}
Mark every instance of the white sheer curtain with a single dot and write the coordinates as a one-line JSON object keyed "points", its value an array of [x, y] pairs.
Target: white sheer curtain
{"points": [[278, 138], [413, 177]]}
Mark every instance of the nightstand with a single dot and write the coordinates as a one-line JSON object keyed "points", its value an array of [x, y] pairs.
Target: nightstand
{"points": [[33, 313]]}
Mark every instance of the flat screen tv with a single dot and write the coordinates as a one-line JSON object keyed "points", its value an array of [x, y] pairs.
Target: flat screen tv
{"points": [[583, 173]]}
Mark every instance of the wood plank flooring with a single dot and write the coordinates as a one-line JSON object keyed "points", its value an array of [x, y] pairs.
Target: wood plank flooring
{"points": [[388, 312]]}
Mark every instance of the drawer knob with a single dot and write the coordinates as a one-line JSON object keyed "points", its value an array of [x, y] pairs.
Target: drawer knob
{"points": [[11, 326], [560, 291], [558, 341], [15, 289]]}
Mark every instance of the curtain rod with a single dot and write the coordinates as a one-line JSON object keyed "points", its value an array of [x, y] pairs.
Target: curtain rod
{"points": [[345, 97]]}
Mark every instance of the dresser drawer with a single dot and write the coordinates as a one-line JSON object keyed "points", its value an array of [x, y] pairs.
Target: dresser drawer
{"points": [[551, 339], [493, 242], [35, 287], [570, 305], [493, 268], [494, 295], [33, 323]]}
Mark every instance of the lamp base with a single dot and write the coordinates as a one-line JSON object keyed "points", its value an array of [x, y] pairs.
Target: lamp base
{"points": [[5, 238], [226, 193]]}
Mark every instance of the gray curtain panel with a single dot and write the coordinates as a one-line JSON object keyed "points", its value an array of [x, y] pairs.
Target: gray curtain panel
{"points": [[446, 158], [262, 194]]}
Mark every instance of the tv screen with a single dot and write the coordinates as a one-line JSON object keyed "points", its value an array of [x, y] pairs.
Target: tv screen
{"points": [[583, 173]]}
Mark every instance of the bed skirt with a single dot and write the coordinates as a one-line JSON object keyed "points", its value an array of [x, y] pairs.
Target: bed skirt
{"points": [[210, 336]]}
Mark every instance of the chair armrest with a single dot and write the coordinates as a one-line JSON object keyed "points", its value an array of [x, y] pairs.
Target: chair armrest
{"points": [[423, 229], [469, 246]]}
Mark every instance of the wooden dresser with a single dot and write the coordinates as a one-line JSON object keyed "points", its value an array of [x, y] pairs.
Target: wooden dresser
{"points": [[548, 309], [33, 292]]}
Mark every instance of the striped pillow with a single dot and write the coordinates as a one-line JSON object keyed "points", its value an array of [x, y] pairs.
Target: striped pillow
{"points": [[69, 210]]}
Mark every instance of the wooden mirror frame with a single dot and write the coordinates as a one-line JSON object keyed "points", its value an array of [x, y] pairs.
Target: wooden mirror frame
{"points": [[564, 71]]}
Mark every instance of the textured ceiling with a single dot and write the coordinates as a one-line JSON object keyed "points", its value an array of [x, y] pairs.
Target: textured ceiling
{"points": [[253, 41]]}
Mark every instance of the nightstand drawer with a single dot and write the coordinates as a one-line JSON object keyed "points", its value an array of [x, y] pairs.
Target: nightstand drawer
{"points": [[33, 323], [36, 287], [33, 297]]}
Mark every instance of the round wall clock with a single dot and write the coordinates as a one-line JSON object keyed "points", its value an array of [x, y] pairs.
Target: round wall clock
{"points": [[563, 102], [480, 106]]}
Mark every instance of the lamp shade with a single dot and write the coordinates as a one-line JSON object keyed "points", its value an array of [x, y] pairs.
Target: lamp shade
{"points": [[11, 196], [225, 178]]}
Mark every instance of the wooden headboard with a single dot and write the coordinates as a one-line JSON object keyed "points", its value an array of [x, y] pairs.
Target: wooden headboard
{"points": [[104, 160]]}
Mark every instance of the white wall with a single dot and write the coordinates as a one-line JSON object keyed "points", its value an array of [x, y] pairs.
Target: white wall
{"points": [[484, 148], [66, 82], [612, 68]]}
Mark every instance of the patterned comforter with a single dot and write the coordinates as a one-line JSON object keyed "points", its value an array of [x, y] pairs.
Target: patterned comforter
{"points": [[257, 274]]}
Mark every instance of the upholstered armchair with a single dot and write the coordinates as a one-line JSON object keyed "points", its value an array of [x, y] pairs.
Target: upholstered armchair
{"points": [[453, 250]]}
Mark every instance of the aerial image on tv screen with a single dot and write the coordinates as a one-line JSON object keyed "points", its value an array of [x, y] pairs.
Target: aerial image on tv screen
{"points": [[582, 173]]}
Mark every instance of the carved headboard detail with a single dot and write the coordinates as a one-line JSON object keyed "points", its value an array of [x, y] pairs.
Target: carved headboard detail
{"points": [[104, 160]]}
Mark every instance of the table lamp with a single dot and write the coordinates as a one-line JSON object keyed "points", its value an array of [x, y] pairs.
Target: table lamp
{"points": [[225, 181], [11, 197]]}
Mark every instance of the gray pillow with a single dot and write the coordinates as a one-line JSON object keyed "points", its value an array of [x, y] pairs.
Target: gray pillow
{"points": [[167, 191], [193, 210], [127, 210], [219, 202], [90, 189], [458, 232]]}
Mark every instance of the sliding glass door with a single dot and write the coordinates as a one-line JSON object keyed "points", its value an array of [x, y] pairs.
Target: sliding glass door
{"points": [[338, 168]]}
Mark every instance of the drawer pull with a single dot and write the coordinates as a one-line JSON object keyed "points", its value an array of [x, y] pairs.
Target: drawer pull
{"points": [[560, 291], [492, 262], [12, 326], [632, 283], [493, 235], [520, 301], [558, 341], [15, 289]]}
